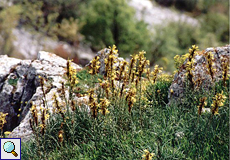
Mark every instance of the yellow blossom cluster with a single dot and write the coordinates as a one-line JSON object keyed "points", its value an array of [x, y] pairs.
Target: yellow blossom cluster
{"points": [[225, 68], [131, 97], [71, 74], [2, 119], [179, 60], [60, 136], [154, 73], [123, 70], [147, 155], [189, 64], [192, 52], [110, 70], [103, 106], [132, 67], [211, 70], [141, 66], [34, 120], [218, 101], [94, 65], [93, 104], [34, 112]]}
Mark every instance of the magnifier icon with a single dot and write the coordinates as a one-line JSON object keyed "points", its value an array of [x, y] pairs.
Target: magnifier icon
{"points": [[9, 147]]}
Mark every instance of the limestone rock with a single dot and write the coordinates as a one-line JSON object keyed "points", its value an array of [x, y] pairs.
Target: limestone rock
{"points": [[201, 71], [20, 86]]}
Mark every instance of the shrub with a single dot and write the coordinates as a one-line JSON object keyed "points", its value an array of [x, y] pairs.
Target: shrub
{"points": [[8, 21], [110, 22]]}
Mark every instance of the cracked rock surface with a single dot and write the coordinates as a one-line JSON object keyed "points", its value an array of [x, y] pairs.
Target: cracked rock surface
{"points": [[20, 87]]}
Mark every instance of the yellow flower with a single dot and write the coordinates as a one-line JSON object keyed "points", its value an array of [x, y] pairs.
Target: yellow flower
{"points": [[47, 116], [91, 71], [60, 136], [42, 126], [194, 47], [113, 49], [147, 155], [218, 101], [133, 99], [7, 132]]}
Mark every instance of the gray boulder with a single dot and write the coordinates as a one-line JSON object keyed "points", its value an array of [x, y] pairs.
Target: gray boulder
{"points": [[20, 88]]}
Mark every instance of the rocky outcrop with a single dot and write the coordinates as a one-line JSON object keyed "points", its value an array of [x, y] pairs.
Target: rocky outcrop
{"points": [[20, 87], [201, 71]]}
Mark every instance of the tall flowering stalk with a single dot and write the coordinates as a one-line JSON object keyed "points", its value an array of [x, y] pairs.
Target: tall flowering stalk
{"points": [[110, 72], [189, 65], [34, 112], [94, 65], [93, 103], [210, 65], [192, 52], [106, 87], [57, 107], [122, 69], [218, 101], [125, 81], [132, 67], [155, 73], [201, 105], [141, 67], [103, 106], [225, 68], [131, 98], [44, 117], [72, 79], [60, 136], [43, 89]]}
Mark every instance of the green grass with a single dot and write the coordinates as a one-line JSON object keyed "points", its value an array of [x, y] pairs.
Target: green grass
{"points": [[170, 131], [13, 82]]}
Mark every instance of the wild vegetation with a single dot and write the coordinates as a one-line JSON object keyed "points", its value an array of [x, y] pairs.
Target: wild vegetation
{"points": [[128, 115]]}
